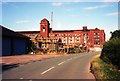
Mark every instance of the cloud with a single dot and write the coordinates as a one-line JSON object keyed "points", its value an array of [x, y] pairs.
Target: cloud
{"points": [[57, 4], [113, 14], [110, 0], [95, 7], [23, 21]]}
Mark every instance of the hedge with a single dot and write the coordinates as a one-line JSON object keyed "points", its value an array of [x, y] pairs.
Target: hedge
{"points": [[111, 51]]}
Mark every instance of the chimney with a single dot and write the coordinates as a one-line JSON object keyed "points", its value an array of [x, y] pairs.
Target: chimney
{"points": [[84, 27]]}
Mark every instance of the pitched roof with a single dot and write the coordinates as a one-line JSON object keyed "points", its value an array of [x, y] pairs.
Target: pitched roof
{"points": [[11, 33], [27, 31]]}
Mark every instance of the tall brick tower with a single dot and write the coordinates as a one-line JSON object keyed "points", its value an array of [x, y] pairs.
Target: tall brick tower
{"points": [[44, 28]]}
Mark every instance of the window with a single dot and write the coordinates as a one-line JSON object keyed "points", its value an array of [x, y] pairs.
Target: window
{"points": [[70, 39], [77, 39], [95, 42], [43, 29], [98, 43], [55, 34], [70, 35]]}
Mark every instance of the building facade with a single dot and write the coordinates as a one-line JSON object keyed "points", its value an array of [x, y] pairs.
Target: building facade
{"points": [[90, 38], [14, 43]]}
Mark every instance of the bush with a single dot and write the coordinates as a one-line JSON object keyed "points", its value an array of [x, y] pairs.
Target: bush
{"points": [[111, 51], [77, 50]]}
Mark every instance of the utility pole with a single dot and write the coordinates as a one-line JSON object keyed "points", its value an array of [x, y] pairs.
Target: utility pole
{"points": [[51, 26], [51, 20]]}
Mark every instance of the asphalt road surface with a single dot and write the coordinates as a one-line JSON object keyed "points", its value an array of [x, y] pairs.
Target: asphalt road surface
{"points": [[74, 66]]}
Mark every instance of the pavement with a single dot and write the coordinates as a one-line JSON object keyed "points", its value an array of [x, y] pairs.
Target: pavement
{"points": [[8, 62], [19, 59], [76, 66]]}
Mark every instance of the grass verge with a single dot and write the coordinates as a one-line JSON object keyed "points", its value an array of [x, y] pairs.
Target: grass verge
{"points": [[104, 71]]}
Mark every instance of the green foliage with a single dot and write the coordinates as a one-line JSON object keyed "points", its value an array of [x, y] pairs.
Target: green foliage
{"points": [[33, 46], [77, 49], [111, 51], [29, 44], [115, 34]]}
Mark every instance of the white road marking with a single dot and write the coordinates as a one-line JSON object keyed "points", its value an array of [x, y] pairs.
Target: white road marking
{"points": [[61, 62], [69, 59], [21, 78], [47, 70]]}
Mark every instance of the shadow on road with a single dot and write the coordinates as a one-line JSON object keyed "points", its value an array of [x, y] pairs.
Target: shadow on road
{"points": [[8, 66]]}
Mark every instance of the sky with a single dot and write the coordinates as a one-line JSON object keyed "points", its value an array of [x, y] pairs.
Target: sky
{"points": [[26, 16]]}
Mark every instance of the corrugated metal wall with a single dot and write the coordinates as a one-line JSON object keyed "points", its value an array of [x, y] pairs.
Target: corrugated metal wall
{"points": [[19, 46], [13, 46], [6, 46]]}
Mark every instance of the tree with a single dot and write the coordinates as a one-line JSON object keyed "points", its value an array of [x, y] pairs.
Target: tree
{"points": [[111, 49], [115, 34]]}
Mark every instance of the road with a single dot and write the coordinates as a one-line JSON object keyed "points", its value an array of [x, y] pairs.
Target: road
{"points": [[75, 66]]}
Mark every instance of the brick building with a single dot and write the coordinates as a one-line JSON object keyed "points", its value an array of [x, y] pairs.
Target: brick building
{"points": [[90, 38]]}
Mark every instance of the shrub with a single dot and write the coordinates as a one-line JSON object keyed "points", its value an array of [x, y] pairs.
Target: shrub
{"points": [[77, 50], [111, 51]]}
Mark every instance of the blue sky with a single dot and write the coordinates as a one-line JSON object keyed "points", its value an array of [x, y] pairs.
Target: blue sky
{"points": [[26, 16]]}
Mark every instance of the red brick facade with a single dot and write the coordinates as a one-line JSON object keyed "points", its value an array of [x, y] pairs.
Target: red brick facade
{"points": [[44, 28], [91, 38]]}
